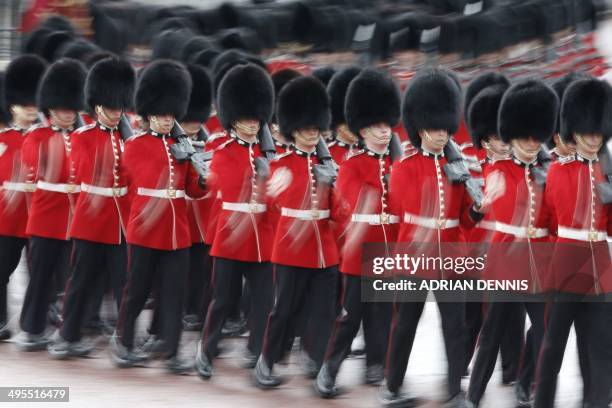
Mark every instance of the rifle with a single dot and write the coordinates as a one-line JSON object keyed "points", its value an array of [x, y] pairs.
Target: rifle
{"points": [[79, 122], [266, 145], [327, 171], [457, 172], [125, 129], [605, 188], [183, 151], [203, 134], [540, 173], [395, 148]]}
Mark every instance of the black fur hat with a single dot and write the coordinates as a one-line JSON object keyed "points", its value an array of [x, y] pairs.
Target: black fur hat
{"points": [[324, 74], [372, 97], [560, 86], [528, 108], [245, 92], [479, 83], [110, 82], [482, 113], [21, 80], [53, 42], [586, 108], [279, 80], [79, 49], [32, 43], [163, 89], [229, 59], [5, 118], [303, 103], [336, 88], [200, 100], [432, 101], [62, 86]]}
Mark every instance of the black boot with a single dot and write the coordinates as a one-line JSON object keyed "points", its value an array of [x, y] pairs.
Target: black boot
{"points": [[375, 374], [32, 342], [325, 383], [523, 397], [203, 364], [249, 359], [123, 357], [62, 349], [5, 333], [177, 365], [192, 322], [395, 399], [264, 376], [309, 367]]}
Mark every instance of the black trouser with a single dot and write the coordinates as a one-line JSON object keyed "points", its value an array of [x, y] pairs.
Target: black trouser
{"points": [[560, 319], [512, 342], [10, 254], [292, 286], [144, 267], [48, 258], [94, 264], [493, 330], [376, 317], [403, 331], [225, 274], [198, 280]]}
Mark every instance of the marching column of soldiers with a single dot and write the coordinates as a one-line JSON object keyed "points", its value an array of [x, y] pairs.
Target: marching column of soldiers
{"points": [[173, 213]]}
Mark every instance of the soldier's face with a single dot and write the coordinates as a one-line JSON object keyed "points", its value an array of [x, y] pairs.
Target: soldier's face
{"points": [[24, 113], [526, 149], [307, 138], [108, 116], [379, 134], [191, 128], [434, 140], [589, 143], [564, 149], [63, 117], [497, 147], [161, 123]]}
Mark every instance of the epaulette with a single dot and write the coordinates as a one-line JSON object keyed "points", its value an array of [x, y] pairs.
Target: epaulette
{"points": [[566, 159], [465, 145], [332, 143], [85, 127], [280, 156], [409, 153], [224, 144], [35, 126], [493, 161], [136, 136], [215, 136], [354, 153]]}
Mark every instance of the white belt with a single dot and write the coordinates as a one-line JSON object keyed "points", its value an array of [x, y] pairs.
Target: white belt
{"points": [[24, 187], [488, 225], [305, 214], [375, 219], [429, 222], [59, 187], [163, 193], [104, 191], [521, 232], [254, 208], [581, 235]]}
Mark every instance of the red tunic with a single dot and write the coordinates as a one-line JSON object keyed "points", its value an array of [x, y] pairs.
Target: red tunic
{"points": [[158, 185], [583, 224], [362, 186], [242, 232], [339, 150], [522, 219], [47, 154], [214, 205], [301, 240], [14, 197], [103, 207]]}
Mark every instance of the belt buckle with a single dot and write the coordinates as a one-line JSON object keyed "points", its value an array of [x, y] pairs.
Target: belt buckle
{"points": [[117, 191], [314, 213], [441, 223], [592, 236], [171, 193], [70, 188], [253, 207], [30, 187], [384, 218], [531, 232]]}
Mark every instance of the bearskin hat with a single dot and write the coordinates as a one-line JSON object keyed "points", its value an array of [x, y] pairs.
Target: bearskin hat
{"points": [[528, 108], [303, 103], [479, 83], [21, 80], [79, 49], [163, 89], [200, 100], [336, 88], [110, 82], [432, 101], [4, 115], [560, 86], [372, 97], [280, 79], [482, 113], [62, 86], [586, 108], [228, 60], [53, 42], [245, 92], [324, 74]]}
